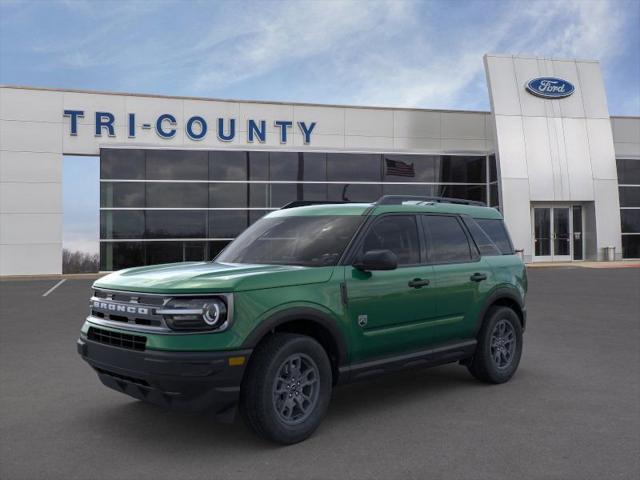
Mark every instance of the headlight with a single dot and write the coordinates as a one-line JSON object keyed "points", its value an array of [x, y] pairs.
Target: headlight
{"points": [[195, 314]]}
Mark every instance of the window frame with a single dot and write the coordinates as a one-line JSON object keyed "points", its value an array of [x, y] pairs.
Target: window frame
{"points": [[474, 253]]}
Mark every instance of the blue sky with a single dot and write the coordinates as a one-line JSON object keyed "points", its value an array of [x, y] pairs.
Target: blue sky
{"points": [[391, 53]]}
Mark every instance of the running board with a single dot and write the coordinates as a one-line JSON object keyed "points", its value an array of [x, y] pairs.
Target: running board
{"points": [[440, 355]]}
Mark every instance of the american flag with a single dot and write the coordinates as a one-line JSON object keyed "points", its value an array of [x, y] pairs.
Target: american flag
{"points": [[399, 168]]}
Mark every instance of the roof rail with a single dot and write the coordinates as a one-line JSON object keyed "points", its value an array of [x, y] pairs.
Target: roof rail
{"points": [[306, 203], [398, 199]]}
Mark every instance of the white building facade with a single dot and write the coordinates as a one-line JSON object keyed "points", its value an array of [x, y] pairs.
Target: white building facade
{"points": [[180, 177]]}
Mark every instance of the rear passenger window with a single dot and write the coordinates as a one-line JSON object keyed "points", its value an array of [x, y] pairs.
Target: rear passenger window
{"points": [[396, 233], [447, 242], [497, 232], [482, 240]]}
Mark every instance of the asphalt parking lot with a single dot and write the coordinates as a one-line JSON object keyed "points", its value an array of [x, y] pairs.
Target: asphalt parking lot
{"points": [[571, 412]]}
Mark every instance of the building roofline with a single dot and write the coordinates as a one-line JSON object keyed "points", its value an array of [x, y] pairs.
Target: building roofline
{"points": [[263, 102], [230, 100]]}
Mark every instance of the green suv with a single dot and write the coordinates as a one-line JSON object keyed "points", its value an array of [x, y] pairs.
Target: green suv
{"points": [[310, 297]]}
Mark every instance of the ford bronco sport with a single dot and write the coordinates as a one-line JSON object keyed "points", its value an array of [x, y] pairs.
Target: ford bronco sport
{"points": [[310, 297]]}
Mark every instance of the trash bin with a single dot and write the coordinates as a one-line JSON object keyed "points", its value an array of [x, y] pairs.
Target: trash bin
{"points": [[610, 253]]}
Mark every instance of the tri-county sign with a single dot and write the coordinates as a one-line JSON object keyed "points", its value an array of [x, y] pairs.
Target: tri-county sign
{"points": [[550, 87], [196, 127]]}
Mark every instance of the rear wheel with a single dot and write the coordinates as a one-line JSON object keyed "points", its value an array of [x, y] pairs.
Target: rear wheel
{"points": [[287, 388], [499, 346]]}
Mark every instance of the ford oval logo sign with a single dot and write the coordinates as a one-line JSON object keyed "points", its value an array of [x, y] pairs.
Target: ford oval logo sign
{"points": [[550, 87]]}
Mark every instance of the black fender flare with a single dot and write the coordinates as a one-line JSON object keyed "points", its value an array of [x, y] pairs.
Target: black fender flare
{"points": [[300, 313], [499, 294]]}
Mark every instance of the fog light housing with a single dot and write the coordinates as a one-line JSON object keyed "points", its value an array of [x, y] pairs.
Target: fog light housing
{"points": [[195, 314]]}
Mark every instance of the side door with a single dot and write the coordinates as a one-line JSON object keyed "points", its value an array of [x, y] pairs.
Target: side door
{"points": [[461, 276], [388, 310]]}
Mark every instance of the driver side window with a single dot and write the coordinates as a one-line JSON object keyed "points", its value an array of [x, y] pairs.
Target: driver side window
{"points": [[398, 233]]}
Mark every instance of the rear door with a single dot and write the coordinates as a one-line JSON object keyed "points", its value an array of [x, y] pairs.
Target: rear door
{"points": [[461, 276], [389, 310]]}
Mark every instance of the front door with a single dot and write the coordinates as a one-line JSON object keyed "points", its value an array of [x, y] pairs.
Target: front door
{"points": [[557, 233], [389, 311]]}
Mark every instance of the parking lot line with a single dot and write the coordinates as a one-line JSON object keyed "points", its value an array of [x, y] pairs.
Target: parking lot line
{"points": [[54, 287]]}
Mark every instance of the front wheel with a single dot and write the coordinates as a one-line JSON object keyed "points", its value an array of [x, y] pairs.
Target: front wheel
{"points": [[286, 391], [499, 346]]}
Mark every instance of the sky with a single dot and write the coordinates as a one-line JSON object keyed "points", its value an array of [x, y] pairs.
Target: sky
{"points": [[378, 52]]}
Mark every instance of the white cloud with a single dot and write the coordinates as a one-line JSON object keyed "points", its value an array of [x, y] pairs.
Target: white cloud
{"points": [[385, 52]]}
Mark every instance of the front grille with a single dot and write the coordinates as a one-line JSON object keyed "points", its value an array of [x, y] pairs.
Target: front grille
{"points": [[117, 339], [128, 308]]}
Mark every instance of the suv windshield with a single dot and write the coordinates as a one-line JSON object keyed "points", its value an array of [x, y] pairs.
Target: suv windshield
{"points": [[314, 241]]}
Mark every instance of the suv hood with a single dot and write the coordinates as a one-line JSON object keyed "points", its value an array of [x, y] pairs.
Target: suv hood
{"points": [[207, 277]]}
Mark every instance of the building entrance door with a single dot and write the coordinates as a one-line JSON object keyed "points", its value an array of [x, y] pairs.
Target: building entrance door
{"points": [[557, 233]]}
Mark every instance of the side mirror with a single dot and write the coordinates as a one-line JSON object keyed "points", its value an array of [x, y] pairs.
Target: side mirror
{"points": [[377, 260]]}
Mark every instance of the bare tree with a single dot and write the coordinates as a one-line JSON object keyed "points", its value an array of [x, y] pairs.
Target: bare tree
{"points": [[79, 262]]}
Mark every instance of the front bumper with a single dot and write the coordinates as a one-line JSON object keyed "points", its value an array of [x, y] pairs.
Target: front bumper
{"points": [[192, 381]]}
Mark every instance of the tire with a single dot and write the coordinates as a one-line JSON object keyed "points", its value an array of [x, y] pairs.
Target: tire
{"points": [[273, 406], [497, 363]]}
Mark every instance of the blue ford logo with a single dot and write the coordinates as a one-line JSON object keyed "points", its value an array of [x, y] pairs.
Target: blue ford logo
{"points": [[550, 87]]}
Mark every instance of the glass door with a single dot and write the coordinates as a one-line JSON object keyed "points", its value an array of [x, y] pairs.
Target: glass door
{"points": [[561, 234], [557, 233], [542, 233]]}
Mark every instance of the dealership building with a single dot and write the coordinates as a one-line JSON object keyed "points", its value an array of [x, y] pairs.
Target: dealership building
{"points": [[181, 177]]}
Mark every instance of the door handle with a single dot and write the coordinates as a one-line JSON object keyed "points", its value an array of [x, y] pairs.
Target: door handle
{"points": [[418, 282], [477, 277]]}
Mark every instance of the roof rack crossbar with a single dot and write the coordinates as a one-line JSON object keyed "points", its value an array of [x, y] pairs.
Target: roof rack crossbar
{"points": [[398, 199]]}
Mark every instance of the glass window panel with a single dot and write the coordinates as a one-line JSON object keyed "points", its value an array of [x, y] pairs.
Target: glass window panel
{"points": [[628, 171], [315, 167], [119, 255], [177, 165], [118, 195], [285, 166], [283, 193], [577, 232], [176, 224], [227, 165], [258, 195], [493, 169], [215, 248], [462, 169], [258, 166], [542, 231], [177, 195], [164, 252], [481, 239], [226, 195], [629, 196], [125, 164], [447, 242], [195, 251], [227, 223], [630, 221], [630, 246], [354, 192], [497, 232], [122, 224], [410, 168], [417, 190], [354, 167], [314, 191], [466, 192], [255, 215], [493, 192], [396, 233]]}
